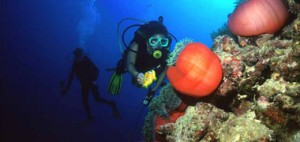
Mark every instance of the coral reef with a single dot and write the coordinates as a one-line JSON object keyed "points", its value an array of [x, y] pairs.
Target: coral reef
{"points": [[197, 123], [244, 128], [267, 74], [296, 137], [294, 6], [262, 74], [292, 31], [160, 106], [177, 50], [258, 98], [205, 122], [224, 30]]}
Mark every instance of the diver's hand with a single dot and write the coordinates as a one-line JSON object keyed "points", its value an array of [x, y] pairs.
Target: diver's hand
{"points": [[140, 78]]}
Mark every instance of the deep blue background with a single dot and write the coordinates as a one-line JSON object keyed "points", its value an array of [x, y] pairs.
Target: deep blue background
{"points": [[36, 38]]}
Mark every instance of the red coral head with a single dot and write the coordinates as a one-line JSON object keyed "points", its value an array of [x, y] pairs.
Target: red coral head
{"points": [[197, 72], [256, 17]]}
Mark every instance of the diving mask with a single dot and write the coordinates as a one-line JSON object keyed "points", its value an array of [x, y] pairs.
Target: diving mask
{"points": [[164, 42]]}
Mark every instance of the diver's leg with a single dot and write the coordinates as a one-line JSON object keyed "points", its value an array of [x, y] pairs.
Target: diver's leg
{"points": [[85, 93], [96, 95], [102, 100]]}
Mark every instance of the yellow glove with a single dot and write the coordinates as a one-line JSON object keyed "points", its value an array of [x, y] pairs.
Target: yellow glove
{"points": [[149, 78]]}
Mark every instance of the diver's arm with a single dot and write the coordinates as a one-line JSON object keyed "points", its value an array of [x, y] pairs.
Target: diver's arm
{"points": [[160, 80], [131, 58], [71, 76], [66, 88]]}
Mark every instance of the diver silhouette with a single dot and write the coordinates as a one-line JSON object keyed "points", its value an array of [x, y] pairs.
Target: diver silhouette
{"points": [[87, 74]]}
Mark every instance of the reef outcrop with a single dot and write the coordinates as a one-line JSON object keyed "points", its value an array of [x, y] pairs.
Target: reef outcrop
{"points": [[258, 98]]}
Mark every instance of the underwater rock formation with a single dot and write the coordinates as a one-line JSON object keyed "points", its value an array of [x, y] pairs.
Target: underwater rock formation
{"points": [[294, 6], [262, 74], [161, 108], [258, 98], [205, 122]]}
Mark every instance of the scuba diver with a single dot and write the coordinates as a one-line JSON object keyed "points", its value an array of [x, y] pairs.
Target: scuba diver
{"points": [[87, 74], [144, 58]]}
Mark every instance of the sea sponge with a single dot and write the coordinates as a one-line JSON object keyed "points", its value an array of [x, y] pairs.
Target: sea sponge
{"points": [[197, 71], [255, 17]]}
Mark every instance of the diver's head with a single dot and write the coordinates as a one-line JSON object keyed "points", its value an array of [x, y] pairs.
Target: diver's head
{"points": [[78, 53], [150, 29], [157, 38]]}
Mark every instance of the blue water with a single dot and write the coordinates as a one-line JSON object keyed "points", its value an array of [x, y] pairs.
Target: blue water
{"points": [[37, 36]]}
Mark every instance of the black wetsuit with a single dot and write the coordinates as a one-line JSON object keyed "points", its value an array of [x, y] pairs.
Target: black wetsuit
{"points": [[144, 62], [85, 70], [87, 74]]}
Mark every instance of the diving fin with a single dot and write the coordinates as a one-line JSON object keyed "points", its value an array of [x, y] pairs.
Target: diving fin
{"points": [[115, 83]]}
